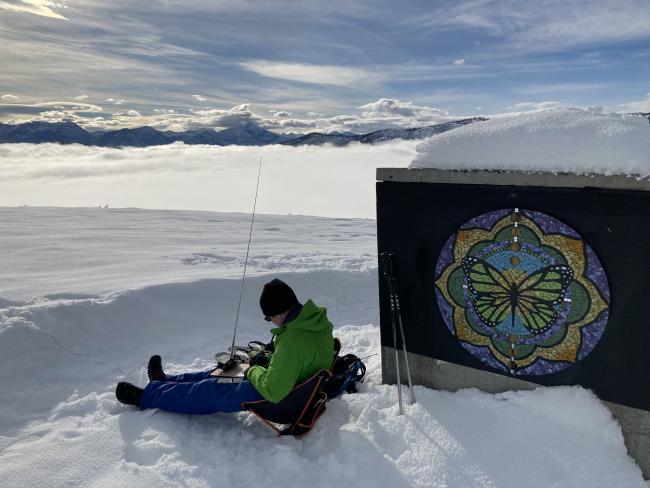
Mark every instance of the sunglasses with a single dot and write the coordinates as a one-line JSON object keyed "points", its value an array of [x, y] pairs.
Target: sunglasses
{"points": [[267, 318]]}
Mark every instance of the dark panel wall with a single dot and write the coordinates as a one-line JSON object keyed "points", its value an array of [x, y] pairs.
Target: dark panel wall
{"points": [[415, 219]]}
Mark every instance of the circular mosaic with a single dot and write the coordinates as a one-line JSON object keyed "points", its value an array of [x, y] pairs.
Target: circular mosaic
{"points": [[522, 292]]}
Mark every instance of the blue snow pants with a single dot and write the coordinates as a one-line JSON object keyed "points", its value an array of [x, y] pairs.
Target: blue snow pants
{"points": [[197, 393]]}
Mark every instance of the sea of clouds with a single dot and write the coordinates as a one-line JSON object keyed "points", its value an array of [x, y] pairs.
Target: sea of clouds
{"points": [[311, 180]]}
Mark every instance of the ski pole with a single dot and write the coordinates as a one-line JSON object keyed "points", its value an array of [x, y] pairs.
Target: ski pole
{"points": [[386, 267], [393, 273]]}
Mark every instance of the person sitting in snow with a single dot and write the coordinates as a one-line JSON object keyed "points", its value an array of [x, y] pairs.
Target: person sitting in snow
{"points": [[303, 345]]}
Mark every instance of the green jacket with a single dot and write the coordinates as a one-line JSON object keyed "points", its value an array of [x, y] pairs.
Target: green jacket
{"points": [[302, 347]]}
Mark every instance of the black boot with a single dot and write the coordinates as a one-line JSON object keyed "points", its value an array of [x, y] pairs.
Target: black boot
{"points": [[128, 394], [155, 370]]}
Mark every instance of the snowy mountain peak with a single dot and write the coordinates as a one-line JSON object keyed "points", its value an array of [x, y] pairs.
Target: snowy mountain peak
{"points": [[246, 134]]}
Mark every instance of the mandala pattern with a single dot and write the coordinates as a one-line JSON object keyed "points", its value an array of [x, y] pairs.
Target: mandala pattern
{"points": [[522, 292]]}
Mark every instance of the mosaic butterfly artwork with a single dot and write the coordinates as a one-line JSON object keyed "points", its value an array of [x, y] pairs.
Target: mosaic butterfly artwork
{"points": [[522, 292]]}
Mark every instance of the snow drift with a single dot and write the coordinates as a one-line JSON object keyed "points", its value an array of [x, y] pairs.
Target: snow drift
{"points": [[556, 140]]}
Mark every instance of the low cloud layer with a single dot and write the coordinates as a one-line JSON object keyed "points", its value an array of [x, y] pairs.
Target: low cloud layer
{"points": [[300, 180]]}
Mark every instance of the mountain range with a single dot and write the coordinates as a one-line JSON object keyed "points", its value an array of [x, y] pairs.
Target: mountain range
{"points": [[317, 138], [248, 134]]}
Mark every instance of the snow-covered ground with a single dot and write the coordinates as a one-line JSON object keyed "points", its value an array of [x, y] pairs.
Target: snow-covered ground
{"points": [[48, 251], [88, 294]]}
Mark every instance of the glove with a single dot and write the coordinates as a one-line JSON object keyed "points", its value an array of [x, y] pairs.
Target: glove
{"points": [[259, 359]]}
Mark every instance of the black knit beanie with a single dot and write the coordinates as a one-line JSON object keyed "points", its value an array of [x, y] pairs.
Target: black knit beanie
{"points": [[277, 297]]}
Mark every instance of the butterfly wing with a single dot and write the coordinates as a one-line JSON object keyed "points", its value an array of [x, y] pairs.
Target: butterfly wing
{"points": [[538, 295], [490, 290]]}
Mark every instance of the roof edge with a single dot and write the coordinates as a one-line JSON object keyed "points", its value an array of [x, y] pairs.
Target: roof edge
{"points": [[513, 178]]}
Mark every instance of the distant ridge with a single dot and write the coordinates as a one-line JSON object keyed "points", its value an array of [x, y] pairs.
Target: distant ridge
{"points": [[71, 133], [35, 132], [249, 134], [317, 138]]}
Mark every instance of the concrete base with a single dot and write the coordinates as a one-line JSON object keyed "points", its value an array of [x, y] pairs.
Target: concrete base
{"points": [[441, 375]]}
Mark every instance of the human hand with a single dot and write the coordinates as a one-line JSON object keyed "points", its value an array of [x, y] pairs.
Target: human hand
{"points": [[259, 359]]}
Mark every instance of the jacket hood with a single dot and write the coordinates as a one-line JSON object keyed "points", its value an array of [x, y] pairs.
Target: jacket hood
{"points": [[311, 318]]}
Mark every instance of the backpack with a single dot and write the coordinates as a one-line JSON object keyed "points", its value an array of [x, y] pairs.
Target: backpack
{"points": [[347, 371]]}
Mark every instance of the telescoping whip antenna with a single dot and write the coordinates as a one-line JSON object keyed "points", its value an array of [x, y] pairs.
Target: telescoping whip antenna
{"points": [[250, 235]]}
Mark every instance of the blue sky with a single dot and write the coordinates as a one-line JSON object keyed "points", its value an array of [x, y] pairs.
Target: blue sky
{"points": [[296, 66]]}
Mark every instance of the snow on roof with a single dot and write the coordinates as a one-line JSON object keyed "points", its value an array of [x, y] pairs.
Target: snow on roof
{"points": [[555, 140]]}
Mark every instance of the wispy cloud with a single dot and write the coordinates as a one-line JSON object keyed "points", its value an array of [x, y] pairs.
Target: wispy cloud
{"points": [[37, 108], [636, 106], [36, 7], [311, 73], [527, 106], [546, 25], [560, 87]]}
